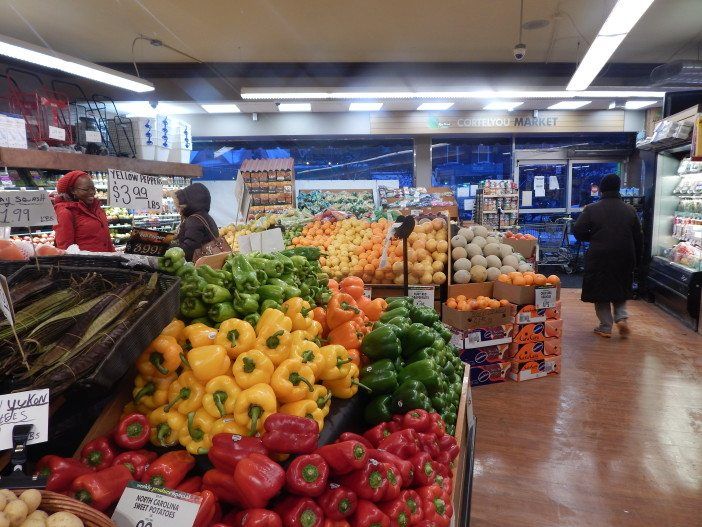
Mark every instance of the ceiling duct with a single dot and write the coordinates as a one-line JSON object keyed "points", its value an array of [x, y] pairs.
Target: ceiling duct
{"points": [[678, 74]]}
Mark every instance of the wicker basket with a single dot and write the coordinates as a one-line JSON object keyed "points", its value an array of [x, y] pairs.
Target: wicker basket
{"points": [[53, 502]]}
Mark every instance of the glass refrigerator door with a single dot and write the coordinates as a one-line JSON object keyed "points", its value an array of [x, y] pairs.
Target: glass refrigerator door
{"points": [[542, 187]]}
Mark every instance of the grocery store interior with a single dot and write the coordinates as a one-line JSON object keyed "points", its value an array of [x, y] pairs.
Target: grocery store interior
{"points": [[324, 264]]}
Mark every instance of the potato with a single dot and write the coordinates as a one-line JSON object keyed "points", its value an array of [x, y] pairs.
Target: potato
{"points": [[4, 520], [32, 497], [9, 495], [17, 512], [3, 502], [34, 522], [64, 519], [41, 515]]}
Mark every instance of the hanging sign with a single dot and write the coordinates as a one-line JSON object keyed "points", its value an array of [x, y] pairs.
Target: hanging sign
{"points": [[545, 297], [422, 294], [134, 191], [24, 408], [143, 505], [25, 208]]}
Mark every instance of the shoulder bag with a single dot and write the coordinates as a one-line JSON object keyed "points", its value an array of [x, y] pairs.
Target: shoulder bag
{"points": [[216, 246]]}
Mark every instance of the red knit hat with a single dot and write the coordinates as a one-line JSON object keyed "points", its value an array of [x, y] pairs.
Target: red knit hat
{"points": [[68, 181]]}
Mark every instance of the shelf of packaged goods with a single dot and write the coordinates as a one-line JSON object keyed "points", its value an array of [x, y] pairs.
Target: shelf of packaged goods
{"points": [[511, 211], [20, 158], [686, 214], [500, 195]]}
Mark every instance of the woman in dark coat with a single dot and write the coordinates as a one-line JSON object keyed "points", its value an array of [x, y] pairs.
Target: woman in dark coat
{"points": [[614, 232], [197, 226]]}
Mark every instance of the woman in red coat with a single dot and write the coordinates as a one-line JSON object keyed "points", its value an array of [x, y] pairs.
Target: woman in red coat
{"points": [[80, 218]]}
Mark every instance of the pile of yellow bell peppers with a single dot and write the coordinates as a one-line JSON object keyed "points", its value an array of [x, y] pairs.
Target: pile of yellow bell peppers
{"points": [[196, 381]]}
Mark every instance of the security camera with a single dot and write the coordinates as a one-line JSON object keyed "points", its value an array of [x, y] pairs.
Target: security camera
{"points": [[520, 51]]}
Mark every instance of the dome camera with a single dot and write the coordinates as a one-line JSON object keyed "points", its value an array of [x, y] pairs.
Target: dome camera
{"points": [[520, 51]]}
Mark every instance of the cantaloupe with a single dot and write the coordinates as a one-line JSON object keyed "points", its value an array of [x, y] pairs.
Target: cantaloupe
{"points": [[466, 233], [493, 273], [459, 252], [506, 269], [525, 267], [478, 273], [458, 241], [505, 250], [493, 261], [492, 239], [511, 260], [479, 230], [491, 249], [461, 277], [473, 250], [462, 263], [479, 241], [479, 260]]}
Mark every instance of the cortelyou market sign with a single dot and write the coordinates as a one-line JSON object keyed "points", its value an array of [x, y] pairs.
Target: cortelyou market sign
{"points": [[494, 122]]}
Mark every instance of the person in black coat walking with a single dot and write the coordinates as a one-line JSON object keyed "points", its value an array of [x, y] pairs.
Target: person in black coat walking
{"points": [[616, 243], [197, 226]]}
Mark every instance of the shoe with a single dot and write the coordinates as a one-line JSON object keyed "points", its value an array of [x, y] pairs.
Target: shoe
{"points": [[602, 334], [623, 328]]}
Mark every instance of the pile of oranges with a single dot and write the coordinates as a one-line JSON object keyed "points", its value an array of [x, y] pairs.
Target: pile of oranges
{"points": [[518, 236], [317, 234], [461, 303], [528, 278]]}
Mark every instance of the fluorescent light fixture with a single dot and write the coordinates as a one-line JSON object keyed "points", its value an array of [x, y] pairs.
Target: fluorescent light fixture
{"points": [[621, 20], [26, 52], [365, 106], [295, 107], [612, 105], [144, 108], [434, 106], [637, 105], [221, 108], [503, 105], [568, 105]]}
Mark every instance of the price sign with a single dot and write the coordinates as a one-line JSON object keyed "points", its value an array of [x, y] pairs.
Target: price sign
{"points": [[422, 294], [57, 133], [91, 136], [148, 242], [134, 191], [24, 208], [24, 408], [545, 297], [143, 505]]}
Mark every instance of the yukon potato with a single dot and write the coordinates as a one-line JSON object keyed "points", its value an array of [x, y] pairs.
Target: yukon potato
{"points": [[3, 502], [33, 522], [40, 515], [4, 520], [32, 497], [9, 495], [64, 519], [16, 512]]}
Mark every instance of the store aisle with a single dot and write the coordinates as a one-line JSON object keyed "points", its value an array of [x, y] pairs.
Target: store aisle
{"points": [[615, 440]]}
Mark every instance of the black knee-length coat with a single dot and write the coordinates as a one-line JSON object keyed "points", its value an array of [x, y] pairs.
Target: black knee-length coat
{"points": [[616, 242]]}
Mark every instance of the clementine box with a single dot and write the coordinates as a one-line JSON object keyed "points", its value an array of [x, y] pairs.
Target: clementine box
{"points": [[530, 314], [538, 332], [534, 369], [534, 350], [485, 355], [489, 373], [481, 337]]}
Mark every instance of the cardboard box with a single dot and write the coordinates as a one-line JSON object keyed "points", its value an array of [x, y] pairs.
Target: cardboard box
{"points": [[471, 290], [481, 337], [534, 369], [529, 314], [534, 350], [483, 318], [485, 355], [538, 332], [527, 248], [518, 294], [489, 373]]}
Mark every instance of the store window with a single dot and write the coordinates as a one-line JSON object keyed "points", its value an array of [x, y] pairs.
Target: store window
{"points": [[575, 143], [586, 179]]}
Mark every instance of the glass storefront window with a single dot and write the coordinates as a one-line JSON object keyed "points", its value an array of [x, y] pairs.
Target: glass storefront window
{"points": [[585, 176], [542, 185]]}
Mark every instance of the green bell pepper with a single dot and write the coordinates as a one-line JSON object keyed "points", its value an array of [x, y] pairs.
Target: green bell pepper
{"points": [[399, 301], [211, 276], [272, 268], [222, 311], [410, 395], [416, 337], [378, 410], [172, 260], [270, 304], [270, 292], [448, 369], [288, 266], [245, 303], [252, 319], [310, 253], [449, 415], [381, 381], [381, 343], [422, 354], [401, 312], [291, 291], [323, 297], [438, 402], [187, 271], [379, 365], [214, 294], [443, 331], [193, 307], [244, 275], [300, 262], [424, 315], [422, 371], [192, 287], [400, 323]]}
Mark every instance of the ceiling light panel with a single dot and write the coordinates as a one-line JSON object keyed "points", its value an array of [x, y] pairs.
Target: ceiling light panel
{"points": [[503, 105], [438, 106], [295, 107], [638, 105], [221, 108], [365, 106], [568, 105]]}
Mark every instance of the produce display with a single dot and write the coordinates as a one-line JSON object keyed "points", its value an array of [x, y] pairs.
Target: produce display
{"points": [[528, 278], [519, 236], [480, 256], [38, 238], [290, 221], [24, 510], [358, 202]]}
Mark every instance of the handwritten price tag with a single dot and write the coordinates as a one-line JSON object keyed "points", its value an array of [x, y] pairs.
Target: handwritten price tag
{"points": [[24, 208], [134, 191], [24, 408], [545, 297], [422, 294]]}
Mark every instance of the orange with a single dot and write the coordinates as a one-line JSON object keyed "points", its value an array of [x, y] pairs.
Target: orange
{"points": [[494, 304], [539, 279], [515, 274], [472, 305], [482, 303], [518, 280], [460, 298], [451, 302], [553, 279], [528, 279], [504, 278], [463, 306], [504, 302]]}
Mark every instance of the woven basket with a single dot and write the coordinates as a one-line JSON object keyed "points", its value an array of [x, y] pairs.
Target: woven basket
{"points": [[53, 502]]}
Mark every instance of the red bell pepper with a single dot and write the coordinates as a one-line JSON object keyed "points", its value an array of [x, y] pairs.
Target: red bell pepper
{"points": [[60, 471], [207, 510], [191, 485], [445, 483], [392, 491], [336, 523], [377, 433], [290, 434], [418, 419], [103, 488], [429, 444], [136, 461], [424, 472], [396, 423], [222, 484], [397, 511], [348, 436], [257, 479], [307, 475], [337, 502], [132, 432], [368, 515], [404, 444], [297, 511], [257, 518], [369, 483], [426, 523], [435, 505], [98, 453], [437, 426], [169, 469], [414, 504], [228, 449], [344, 457], [448, 445], [441, 469], [404, 467]]}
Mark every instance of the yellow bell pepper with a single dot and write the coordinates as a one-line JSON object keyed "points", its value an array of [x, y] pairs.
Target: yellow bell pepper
{"points": [[276, 346], [165, 426], [346, 387], [299, 312], [321, 396], [252, 367], [292, 381], [237, 336], [151, 392], [195, 434], [175, 330], [227, 425], [185, 394], [161, 358], [220, 395], [199, 335], [207, 362], [314, 330], [253, 406], [272, 321], [337, 362], [308, 352]]}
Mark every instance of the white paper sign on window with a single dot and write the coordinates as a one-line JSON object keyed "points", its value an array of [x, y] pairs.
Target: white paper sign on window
{"points": [[539, 188]]}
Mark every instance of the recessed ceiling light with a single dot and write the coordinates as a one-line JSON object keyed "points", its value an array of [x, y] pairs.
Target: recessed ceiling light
{"points": [[503, 105], [221, 108], [568, 105], [612, 105], [365, 106], [295, 107], [144, 108], [637, 105], [434, 106]]}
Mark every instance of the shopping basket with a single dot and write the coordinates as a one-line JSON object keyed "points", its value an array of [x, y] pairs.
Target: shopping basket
{"points": [[554, 244]]}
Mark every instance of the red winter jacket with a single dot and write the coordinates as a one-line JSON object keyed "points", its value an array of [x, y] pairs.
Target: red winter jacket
{"points": [[85, 226]]}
